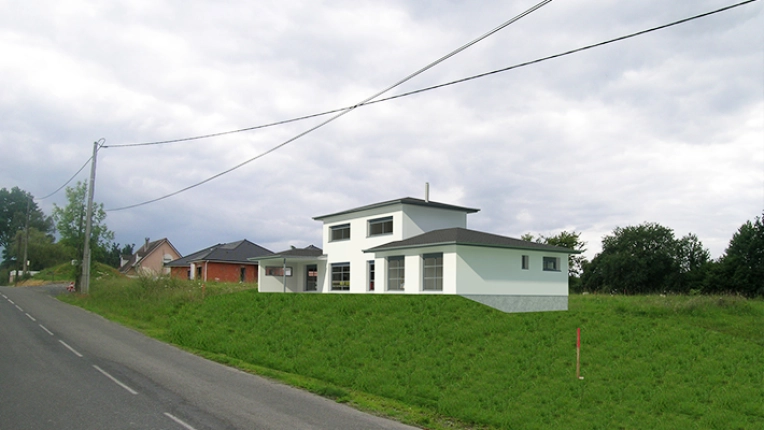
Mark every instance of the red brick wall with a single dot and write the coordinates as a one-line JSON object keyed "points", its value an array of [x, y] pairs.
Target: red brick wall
{"points": [[220, 272], [225, 272]]}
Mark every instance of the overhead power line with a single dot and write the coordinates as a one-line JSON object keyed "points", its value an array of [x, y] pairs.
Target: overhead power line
{"points": [[434, 87], [67, 182], [344, 112], [369, 100]]}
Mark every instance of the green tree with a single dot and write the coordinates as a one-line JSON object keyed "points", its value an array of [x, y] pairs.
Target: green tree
{"points": [[13, 217], [115, 253], [692, 261], [741, 268], [634, 260], [70, 222], [42, 250]]}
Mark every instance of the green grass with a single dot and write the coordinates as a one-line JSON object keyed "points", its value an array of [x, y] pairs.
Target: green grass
{"points": [[446, 362]]}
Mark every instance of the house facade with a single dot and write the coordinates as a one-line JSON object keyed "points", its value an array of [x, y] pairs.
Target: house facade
{"points": [[413, 246], [224, 262], [150, 259]]}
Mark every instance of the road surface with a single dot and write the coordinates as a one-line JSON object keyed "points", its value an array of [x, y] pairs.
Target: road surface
{"points": [[62, 368]]}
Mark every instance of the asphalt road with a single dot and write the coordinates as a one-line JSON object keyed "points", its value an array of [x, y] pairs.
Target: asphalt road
{"points": [[65, 368]]}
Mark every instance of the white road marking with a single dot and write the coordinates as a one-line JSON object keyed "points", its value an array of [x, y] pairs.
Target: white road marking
{"points": [[19, 308], [179, 421], [49, 332], [116, 381], [31, 317], [4, 296], [11, 302], [70, 348]]}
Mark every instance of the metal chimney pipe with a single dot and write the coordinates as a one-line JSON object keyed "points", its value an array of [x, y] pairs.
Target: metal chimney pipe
{"points": [[427, 192]]}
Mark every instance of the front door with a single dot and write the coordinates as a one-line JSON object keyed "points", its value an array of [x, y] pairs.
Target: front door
{"points": [[311, 277]]}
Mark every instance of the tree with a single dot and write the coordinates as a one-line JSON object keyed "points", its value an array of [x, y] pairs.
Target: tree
{"points": [[634, 260], [741, 268], [14, 205], [113, 257], [70, 222], [42, 250], [692, 261]]}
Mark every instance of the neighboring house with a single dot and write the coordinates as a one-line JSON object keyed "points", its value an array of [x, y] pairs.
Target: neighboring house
{"points": [[226, 262], [150, 259], [413, 246]]}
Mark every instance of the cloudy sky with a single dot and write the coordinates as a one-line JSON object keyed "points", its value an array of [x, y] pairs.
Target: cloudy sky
{"points": [[667, 127]]}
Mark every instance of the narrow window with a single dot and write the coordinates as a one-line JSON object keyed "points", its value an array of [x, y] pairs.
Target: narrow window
{"points": [[339, 232], [381, 226], [242, 274], [433, 272], [311, 277], [551, 264], [526, 262], [371, 275], [396, 272], [341, 277]]}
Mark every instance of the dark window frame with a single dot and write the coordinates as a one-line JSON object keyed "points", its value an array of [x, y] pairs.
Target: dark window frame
{"points": [[338, 233], [433, 281], [340, 276], [396, 273], [380, 226]]}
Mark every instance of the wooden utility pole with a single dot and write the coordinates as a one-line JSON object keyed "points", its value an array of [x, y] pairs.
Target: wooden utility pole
{"points": [[85, 282]]}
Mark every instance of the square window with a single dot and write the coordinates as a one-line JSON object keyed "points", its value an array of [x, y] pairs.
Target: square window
{"points": [[381, 226], [341, 277], [551, 264], [339, 232]]}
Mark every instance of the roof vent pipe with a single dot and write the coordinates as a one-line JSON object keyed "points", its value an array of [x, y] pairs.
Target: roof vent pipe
{"points": [[427, 192]]}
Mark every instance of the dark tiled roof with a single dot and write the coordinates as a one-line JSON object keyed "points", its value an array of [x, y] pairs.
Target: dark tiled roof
{"points": [[307, 252], [142, 252], [234, 252], [463, 236], [405, 201]]}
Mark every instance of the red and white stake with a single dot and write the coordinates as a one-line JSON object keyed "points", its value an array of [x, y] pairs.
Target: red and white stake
{"points": [[578, 353]]}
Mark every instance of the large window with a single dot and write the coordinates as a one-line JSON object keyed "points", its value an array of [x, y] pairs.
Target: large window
{"points": [[526, 262], [341, 277], [433, 272], [339, 232], [381, 226], [551, 264], [396, 271], [277, 271]]}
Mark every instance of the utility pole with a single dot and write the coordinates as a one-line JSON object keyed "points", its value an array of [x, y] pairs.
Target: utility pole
{"points": [[26, 238], [85, 282]]}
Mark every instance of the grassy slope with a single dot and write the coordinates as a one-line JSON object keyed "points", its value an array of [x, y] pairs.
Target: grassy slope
{"points": [[648, 362]]}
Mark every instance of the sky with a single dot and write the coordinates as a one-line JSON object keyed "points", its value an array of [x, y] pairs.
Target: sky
{"points": [[666, 127]]}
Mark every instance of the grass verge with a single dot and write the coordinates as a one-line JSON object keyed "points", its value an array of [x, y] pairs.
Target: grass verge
{"points": [[446, 362]]}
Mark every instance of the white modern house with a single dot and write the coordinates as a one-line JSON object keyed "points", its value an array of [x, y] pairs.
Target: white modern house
{"points": [[414, 246]]}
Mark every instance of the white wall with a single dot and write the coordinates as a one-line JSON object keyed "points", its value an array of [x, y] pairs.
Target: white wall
{"points": [[482, 270], [295, 283], [420, 219]]}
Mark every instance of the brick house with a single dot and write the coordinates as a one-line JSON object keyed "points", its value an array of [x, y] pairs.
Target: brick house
{"points": [[224, 262]]}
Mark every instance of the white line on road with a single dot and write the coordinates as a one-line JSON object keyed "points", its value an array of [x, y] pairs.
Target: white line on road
{"points": [[70, 348], [179, 421], [11, 302], [4, 296], [116, 381], [49, 332], [31, 317], [19, 308]]}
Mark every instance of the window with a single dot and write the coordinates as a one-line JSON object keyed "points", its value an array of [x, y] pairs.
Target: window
{"points": [[381, 226], [526, 262], [371, 275], [396, 272], [341, 277], [277, 271], [433, 272], [551, 264], [339, 232]]}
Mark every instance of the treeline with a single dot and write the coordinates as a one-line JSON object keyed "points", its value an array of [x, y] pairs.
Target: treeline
{"points": [[649, 258], [49, 240]]}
